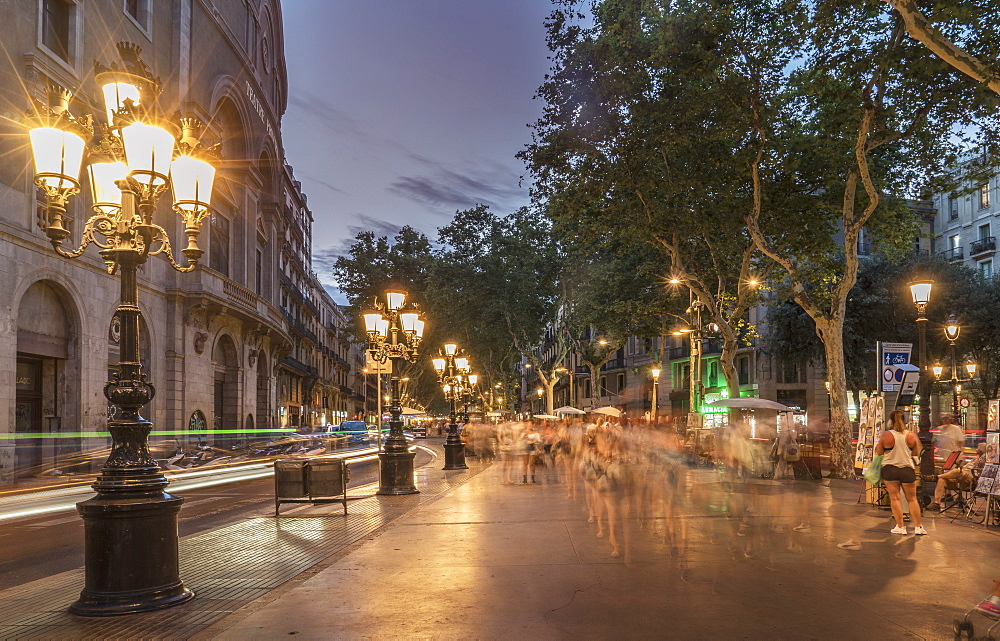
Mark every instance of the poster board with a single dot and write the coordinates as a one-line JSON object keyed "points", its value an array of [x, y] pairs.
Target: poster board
{"points": [[993, 416], [993, 447], [870, 428], [987, 479]]}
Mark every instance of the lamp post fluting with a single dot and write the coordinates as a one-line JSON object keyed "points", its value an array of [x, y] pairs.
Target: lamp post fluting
{"points": [[452, 368], [130, 526], [920, 290], [394, 331]]}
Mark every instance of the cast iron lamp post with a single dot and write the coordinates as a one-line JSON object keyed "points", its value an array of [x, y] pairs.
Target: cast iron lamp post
{"points": [[656, 381], [569, 372], [920, 290], [470, 394], [130, 526], [951, 332], [452, 368], [394, 331]]}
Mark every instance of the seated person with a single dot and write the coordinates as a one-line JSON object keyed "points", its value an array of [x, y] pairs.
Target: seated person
{"points": [[960, 473]]}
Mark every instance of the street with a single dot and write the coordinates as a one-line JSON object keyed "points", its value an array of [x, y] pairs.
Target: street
{"points": [[37, 546]]}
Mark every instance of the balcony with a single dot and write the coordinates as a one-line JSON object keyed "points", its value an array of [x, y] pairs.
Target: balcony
{"points": [[679, 352], [299, 366], [616, 363], [955, 253], [299, 328], [985, 245]]}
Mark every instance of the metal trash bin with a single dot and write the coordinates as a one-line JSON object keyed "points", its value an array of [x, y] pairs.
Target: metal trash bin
{"points": [[310, 481], [290, 479], [327, 477]]}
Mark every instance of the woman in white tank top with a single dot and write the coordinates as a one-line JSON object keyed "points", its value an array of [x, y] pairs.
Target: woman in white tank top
{"points": [[899, 447]]}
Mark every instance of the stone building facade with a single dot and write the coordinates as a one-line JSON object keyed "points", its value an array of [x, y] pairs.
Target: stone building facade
{"points": [[249, 340]]}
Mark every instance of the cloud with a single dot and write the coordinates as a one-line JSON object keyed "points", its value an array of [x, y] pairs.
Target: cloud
{"points": [[368, 223], [323, 183], [341, 125], [325, 257], [487, 183]]}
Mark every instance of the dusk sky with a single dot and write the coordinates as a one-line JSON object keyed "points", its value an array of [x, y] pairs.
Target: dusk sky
{"points": [[403, 112]]}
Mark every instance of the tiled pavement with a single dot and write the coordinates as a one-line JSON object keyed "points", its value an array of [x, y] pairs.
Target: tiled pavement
{"points": [[226, 568]]}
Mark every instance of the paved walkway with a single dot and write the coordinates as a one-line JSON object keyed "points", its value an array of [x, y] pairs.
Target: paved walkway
{"points": [[472, 558], [494, 561]]}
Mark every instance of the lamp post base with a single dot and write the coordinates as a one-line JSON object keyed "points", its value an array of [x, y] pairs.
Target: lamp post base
{"points": [[395, 473], [454, 455], [131, 555]]}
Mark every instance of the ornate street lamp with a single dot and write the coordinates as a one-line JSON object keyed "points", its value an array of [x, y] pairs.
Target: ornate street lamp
{"points": [[656, 381], [920, 290], [394, 331], [469, 396], [130, 526], [951, 331], [452, 368]]}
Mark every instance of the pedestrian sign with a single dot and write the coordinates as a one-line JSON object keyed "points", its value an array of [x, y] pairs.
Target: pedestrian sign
{"points": [[891, 357]]}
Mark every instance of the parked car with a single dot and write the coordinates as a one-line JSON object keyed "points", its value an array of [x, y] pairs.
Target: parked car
{"points": [[357, 431]]}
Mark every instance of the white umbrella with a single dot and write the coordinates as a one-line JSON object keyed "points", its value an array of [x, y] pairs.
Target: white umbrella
{"points": [[544, 416], [569, 410], [751, 403], [409, 411], [610, 411]]}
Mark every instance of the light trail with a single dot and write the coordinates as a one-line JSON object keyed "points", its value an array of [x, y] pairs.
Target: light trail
{"points": [[181, 480]]}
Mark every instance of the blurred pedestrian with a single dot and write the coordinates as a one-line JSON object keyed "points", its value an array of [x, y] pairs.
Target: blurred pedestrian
{"points": [[950, 437], [507, 437], [530, 449]]}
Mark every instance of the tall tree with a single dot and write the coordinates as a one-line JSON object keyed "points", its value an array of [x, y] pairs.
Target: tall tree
{"points": [[956, 34], [641, 145], [496, 283], [857, 120], [613, 295], [802, 118], [373, 265]]}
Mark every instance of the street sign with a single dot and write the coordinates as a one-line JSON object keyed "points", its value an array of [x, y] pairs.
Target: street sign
{"points": [[910, 376], [374, 367], [891, 356], [964, 402]]}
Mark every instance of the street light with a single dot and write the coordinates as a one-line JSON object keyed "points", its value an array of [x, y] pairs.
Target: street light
{"points": [[468, 395], [452, 368], [570, 373], [656, 381], [920, 290], [130, 526], [951, 331], [394, 331], [694, 332]]}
